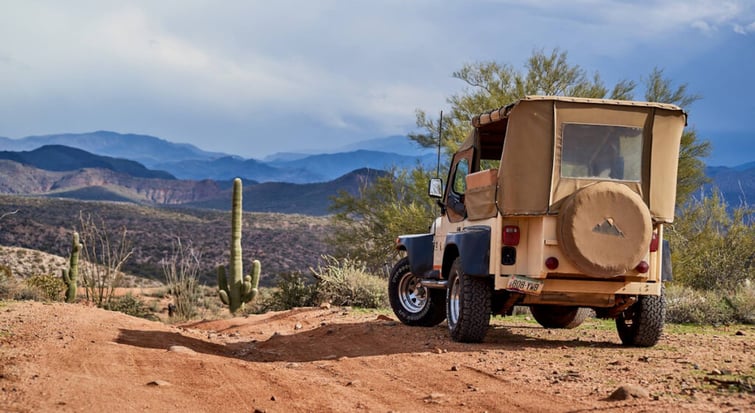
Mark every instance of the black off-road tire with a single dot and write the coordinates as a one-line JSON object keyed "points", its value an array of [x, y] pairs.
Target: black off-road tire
{"points": [[413, 304], [468, 303], [641, 325], [556, 316]]}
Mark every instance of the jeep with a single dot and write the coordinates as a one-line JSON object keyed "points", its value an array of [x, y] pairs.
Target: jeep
{"points": [[566, 218]]}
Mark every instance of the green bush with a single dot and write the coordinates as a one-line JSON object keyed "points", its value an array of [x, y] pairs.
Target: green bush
{"points": [[346, 282], [712, 247], [291, 290], [687, 305], [131, 305], [742, 303], [50, 287]]}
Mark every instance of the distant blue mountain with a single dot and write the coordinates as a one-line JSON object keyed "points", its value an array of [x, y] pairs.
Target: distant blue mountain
{"points": [[331, 166], [398, 144], [737, 184], [145, 149], [230, 167], [63, 158]]}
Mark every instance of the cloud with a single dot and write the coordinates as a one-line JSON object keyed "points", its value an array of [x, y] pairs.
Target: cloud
{"points": [[355, 69], [750, 28]]}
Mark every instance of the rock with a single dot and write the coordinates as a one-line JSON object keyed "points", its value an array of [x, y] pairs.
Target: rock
{"points": [[740, 333], [325, 306], [298, 326], [159, 383], [454, 368], [629, 391], [181, 349], [434, 398], [382, 317]]}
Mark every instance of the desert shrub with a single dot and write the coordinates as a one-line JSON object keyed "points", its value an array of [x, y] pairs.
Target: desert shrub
{"points": [[8, 284], [291, 290], [688, 305], [103, 254], [346, 282], [742, 303], [131, 305], [25, 292], [49, 286], [181, 271], [712, 246]]}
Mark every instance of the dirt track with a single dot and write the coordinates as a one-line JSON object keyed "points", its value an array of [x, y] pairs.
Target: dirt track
{"points": [[59, 357]]}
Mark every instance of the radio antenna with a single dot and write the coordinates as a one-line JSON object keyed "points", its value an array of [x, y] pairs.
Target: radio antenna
{"points": [[440, 140]]}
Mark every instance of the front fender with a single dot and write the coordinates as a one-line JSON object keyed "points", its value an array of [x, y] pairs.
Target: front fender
{"points": [[419, 250], [473, 246]]}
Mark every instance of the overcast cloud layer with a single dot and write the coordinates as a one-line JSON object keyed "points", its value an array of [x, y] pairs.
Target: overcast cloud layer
{"points": [[257, 77]]}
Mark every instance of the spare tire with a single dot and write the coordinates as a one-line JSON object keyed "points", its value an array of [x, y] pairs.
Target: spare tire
{"points": [[605, 229]]}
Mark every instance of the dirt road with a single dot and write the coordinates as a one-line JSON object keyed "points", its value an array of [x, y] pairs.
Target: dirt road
{"points": [[73, 358]]}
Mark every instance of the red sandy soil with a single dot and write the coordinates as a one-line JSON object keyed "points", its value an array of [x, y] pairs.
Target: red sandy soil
{"points": [[74, 358]]}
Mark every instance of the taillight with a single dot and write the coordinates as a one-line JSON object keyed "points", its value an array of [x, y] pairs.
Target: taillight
{"points": [[551, 263], [510, 235], [643, 267], [654, 242]]}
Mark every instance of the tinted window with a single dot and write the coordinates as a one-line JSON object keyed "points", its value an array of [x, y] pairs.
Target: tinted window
{"points": [[601, 152]]}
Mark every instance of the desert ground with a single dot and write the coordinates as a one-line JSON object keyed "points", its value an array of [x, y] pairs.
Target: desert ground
{"points": [[75, 358]]}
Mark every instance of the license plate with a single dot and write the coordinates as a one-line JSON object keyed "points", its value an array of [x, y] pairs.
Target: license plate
{"points": [[525, 285]]}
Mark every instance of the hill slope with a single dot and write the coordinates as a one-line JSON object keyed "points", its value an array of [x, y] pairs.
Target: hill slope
{"points": [[64, 158], [283, 243]]}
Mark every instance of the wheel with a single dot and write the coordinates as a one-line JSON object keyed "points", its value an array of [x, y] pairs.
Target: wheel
{"points": [[468, 305], [641, 324], [413, 304], [556, 316]]}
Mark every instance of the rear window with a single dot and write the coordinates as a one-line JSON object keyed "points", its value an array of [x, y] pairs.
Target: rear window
{"points": [[601, 152]]}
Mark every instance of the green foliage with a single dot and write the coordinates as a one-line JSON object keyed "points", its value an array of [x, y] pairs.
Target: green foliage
{"points": [[491, 85], [346, 282], [291, 290], [366, 224], [71, 275], [712, 249], [342, 282], [131, 305], [688, 305], [239, 289], [49, 286], [742, 303]]}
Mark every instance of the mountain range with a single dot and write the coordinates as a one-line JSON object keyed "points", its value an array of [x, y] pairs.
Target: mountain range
{"points": [[185, 161], [145, 169]]}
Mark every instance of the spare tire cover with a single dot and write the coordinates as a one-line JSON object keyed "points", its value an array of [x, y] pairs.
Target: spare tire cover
{"points": [[605, 229]]}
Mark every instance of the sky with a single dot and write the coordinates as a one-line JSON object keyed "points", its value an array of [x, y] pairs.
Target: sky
{"points": [[252, 78]]}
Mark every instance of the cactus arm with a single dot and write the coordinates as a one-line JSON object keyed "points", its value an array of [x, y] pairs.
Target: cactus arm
{"points": [[222, 285]]}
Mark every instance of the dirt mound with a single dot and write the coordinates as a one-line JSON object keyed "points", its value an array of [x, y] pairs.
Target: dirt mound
{"points": [[60, 357]]}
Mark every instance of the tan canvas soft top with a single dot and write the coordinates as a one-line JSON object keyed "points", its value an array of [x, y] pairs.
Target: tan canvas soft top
{"points": [[527, 135]]}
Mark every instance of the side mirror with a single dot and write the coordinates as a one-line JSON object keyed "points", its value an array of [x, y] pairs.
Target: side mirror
{"points": [[436, 188]]}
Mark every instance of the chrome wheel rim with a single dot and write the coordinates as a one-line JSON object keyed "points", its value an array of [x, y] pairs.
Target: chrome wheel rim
{"points": [[453, 302], [412, 294]]}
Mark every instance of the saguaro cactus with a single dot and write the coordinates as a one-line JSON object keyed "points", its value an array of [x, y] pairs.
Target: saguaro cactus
{"points": [[71, 275], [238, 289]]}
